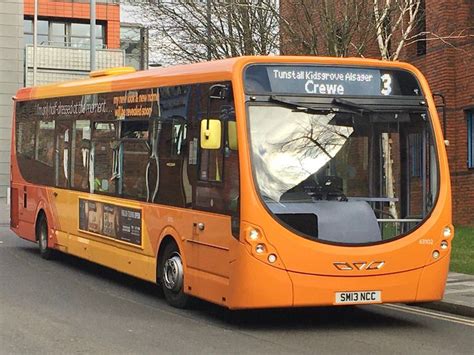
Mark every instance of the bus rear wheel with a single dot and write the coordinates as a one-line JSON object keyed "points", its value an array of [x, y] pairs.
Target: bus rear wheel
{"points": [[42, 237], [172, 277]]}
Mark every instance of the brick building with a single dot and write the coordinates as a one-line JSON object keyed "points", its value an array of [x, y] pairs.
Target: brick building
{"points": [[448, 66], [446, 58], [65, 19]]}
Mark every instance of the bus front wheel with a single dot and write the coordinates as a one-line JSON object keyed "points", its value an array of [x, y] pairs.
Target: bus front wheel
{"points": [[172, 277], [42, 236]]}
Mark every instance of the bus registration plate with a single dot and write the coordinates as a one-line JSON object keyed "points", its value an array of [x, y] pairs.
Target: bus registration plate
{"points": [[358, 297]]}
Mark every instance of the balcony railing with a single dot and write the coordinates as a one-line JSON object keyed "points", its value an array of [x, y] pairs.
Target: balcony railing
{"points": [[59, 63]]}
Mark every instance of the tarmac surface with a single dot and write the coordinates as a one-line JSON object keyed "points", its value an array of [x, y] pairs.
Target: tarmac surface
{"points": [[69, 305]]}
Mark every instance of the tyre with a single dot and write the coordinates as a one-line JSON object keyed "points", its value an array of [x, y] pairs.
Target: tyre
{"points": [[171, 274], [42, 236]]}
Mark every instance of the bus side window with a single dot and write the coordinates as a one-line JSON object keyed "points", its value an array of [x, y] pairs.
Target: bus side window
{"points": [[44, 149], [81, 146], [102, 161], [25, 145], [134, 151], [172, 151]]}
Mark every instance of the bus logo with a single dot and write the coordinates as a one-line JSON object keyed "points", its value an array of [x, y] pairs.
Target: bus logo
{"points": [[359, 265]]}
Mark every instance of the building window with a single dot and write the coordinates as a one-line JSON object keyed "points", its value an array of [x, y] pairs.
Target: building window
{"points": [[58, 34], [42, 37], [421, 29], [63, 34], [80, 35], [132, 41], [470, 139]]}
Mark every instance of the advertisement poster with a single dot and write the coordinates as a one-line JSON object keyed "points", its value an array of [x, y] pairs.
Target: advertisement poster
{"points": [[121, 223], [132, 104]]}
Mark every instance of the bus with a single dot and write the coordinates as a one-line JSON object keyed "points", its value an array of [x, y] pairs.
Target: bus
{"points": [[250, 182]]}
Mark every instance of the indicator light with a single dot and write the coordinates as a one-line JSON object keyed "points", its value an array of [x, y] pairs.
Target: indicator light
{"points": [[444, 245], [272, 258], [260, 248], [435, 254]]}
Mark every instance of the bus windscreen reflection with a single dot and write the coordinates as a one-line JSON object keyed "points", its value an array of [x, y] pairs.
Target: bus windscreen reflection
{"points": [[344, 177]]}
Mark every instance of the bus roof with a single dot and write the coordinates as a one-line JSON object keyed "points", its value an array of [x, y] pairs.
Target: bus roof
{"points": [[181, 74]]}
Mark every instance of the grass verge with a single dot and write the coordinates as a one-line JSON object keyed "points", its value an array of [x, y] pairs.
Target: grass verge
{"points": [[462, 255]]}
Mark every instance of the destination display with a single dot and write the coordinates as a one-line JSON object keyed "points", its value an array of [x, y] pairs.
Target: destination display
{"points": [[124, 224], [329, 81]]}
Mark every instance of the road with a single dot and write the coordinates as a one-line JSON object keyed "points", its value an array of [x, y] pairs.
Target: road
{"points": [[73, 306]]}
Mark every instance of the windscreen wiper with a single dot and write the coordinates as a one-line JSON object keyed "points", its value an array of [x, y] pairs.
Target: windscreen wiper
{"points": [[346, 104], [341, 104], [297, 105], [381, 105]]}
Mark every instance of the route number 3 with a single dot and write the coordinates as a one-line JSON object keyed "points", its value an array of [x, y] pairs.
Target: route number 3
{"points": [[386, 84]]}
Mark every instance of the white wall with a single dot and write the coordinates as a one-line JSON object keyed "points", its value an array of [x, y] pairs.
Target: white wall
{"points": [[11, 79]]}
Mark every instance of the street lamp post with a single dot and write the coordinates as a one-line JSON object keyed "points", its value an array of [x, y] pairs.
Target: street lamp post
{"points": [[208, 25], [92, 39], [35, 41]]}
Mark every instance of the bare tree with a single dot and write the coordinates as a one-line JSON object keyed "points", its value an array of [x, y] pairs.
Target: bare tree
{"points": [[395, 20], [326, 27], [191, 31]]}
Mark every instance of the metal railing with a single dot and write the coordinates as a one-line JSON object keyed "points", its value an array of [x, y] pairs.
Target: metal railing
{"points": [[60, 63]]}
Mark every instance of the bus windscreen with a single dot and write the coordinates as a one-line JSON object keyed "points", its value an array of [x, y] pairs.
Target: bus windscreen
{"points": [[341, 155]]}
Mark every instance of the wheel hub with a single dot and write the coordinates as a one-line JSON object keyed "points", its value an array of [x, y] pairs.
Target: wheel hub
{"points": [[173, 273]]}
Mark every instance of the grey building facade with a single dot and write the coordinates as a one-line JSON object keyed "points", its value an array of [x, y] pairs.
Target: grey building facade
{"points": [[11, 79]]}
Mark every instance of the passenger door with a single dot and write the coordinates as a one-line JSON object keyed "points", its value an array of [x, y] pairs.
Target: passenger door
{"points": [[216, 195]]}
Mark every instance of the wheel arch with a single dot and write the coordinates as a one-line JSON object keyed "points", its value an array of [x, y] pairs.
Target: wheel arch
{"points": [[43, 209], [39, 214]]}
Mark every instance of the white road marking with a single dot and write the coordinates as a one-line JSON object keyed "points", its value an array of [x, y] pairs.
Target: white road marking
{"points": [[429, 313], [449, 292]]}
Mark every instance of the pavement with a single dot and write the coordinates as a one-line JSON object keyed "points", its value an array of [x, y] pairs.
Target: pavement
{"points": [[458, 296], [4, 213]]}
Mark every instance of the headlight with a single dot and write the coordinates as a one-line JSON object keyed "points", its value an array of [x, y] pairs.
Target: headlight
{"points": [[447, 232], [253, 234], [257, 244]]}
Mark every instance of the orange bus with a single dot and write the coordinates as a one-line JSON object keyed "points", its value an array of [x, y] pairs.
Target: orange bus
{"points": [[250, 182]]}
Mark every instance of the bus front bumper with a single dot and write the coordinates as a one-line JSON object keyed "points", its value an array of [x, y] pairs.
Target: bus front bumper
{"points": [[258, 285]]}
